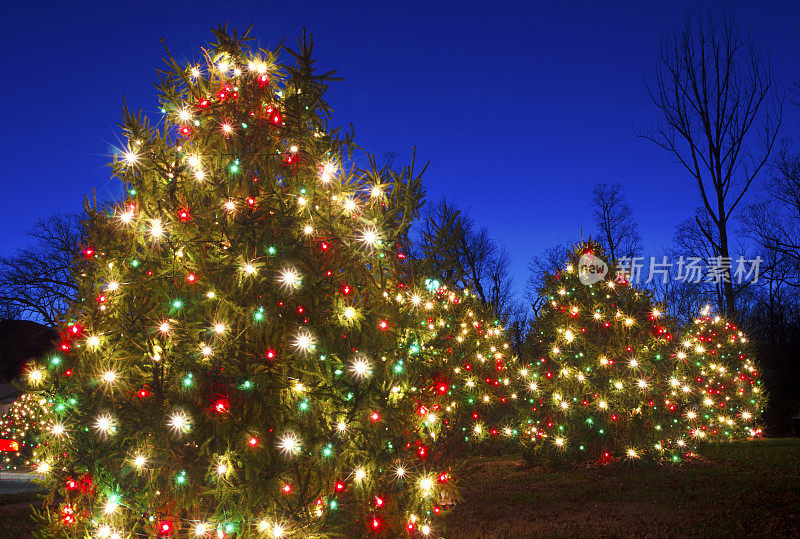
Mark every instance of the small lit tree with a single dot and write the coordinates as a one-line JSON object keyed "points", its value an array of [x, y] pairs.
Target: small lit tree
{"points": [[717, 381], [29, 417], [596, 387]]}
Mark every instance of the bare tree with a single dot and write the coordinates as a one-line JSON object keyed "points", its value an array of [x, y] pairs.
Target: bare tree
{"points": [[36, 283], [719, 116], [463, 254], [775, 222], [549, 262], [617, 232]]}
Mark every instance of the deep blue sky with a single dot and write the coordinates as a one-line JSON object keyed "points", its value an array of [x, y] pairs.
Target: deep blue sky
{"points": [[520, 107]]}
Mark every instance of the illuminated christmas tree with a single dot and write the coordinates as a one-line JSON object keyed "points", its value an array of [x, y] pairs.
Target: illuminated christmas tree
{"points": [[596, 383], [459, 348], [25, 422], [241, 361], [718, 382]]}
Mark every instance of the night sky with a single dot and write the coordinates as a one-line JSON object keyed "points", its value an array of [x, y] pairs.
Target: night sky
{"points": [[519, 107]]}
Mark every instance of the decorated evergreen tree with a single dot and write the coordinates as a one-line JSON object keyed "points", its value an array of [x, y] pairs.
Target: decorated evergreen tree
{"points": [[596, 382], [717, 381], [29, 417], [241, 359], [458, 347]]}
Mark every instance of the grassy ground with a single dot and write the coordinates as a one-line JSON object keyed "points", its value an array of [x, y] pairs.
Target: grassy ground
{"points": [[740, 489], [736, 489]]}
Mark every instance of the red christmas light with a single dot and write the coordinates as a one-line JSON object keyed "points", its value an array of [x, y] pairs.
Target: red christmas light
{"points": [[165, 528], [11, 446], [222, 405]]}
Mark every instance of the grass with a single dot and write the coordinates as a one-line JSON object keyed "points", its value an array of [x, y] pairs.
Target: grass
{"points": [[737, 489]]}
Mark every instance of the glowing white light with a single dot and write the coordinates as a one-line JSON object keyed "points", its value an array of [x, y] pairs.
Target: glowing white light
{"points": [[58, 429], [289, 444], [179, 422], [249, 269], [184, 115], [164, 327], [126, 217], [360, 474], [361, 367], [350, 204], [303, 341], [139, 461], [227, 129], [156, 228], [110, 377], [219, 329], [110, 507], [350, 313], [328, 170], [230, 205], [131, 157], [35, 376], [104, 423], [112, 286], [43, 467], [93, 341], [308, 229], [369, 236], [289, 278], [559, 442]]}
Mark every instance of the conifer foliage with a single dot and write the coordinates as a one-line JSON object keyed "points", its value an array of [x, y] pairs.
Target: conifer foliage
{"points": [[718, 382], [28, 419], [239, 361], [595, 386]]}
